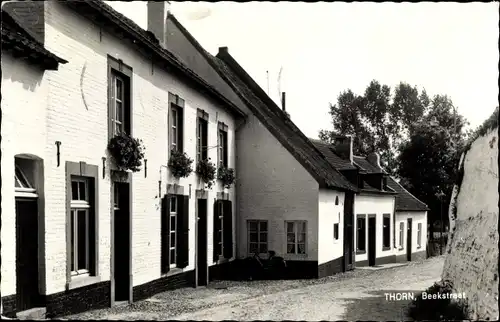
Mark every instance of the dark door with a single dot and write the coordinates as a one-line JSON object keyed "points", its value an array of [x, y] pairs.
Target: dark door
{"points": [[348, 232], [372, 241], [27, 254], [122, 241], [409, 235], [202, 265]]}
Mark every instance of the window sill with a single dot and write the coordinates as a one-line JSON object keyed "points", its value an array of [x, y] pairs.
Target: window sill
{"points": [[401, 248], [81, 281], [418, 247], [221, 260], [360, 252], [386, 248], [173, 271]]}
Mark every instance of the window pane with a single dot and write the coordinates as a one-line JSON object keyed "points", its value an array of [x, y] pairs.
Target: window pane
{"points": [[289, 227], [291, 237], [290, 249], [119, 111], [173, 205], [83, 192], [172, 239], [302, 238], [174, 135], [253, 237], [74, 190], [252, 226], [73, 214], [302, 227], [301, 248], [172, 223], [263, 237], [119, 88], [263, 226], [253, 248], [263, 248], [172, 256], [82, 239]]}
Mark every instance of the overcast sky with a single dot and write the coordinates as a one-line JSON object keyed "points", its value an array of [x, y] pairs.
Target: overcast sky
{"points": [[325, 48]]}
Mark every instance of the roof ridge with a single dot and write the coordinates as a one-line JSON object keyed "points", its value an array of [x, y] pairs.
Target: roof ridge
{"points": [[393, 179]]}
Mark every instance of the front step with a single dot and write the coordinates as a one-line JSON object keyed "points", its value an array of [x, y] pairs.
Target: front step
{"points": [[36, 313]]}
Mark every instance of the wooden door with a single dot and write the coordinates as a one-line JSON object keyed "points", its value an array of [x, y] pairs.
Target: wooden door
{"points": [[202, 251], [372, 240], [27, 294], [121, 241], [409, 236], [348, 232]]}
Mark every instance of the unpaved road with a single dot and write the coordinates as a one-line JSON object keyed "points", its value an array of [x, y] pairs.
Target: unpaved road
{"points": [[358, 295]]}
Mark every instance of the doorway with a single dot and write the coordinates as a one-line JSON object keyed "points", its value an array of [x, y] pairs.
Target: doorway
{"points": [[348, 232], [409, 236], [372, 241], [121, 241], [27, 294], [202, 241]]}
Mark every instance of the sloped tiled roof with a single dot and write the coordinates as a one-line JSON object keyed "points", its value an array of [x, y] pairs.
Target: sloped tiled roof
{"points": [[280, 125], [405, 201], [18, 40], [366, 165], [146, 40], [335, 160]]}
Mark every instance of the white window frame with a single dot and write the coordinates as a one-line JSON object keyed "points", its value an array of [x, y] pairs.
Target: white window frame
{"points": [[419, 235], [296, 234], [173, 214], [258, 232], [401, 234], [26, 190], [199, 135], [174, 128], [222, 147], [76, 206], [118, 124], [221, 231]]}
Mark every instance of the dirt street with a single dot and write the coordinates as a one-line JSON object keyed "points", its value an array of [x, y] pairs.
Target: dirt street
{"points": [[357, 295]]}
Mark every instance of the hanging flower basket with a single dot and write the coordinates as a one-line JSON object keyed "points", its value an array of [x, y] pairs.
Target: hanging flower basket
{"points": [[206, 170], [226, 175], [180, 164], [127, 152]]}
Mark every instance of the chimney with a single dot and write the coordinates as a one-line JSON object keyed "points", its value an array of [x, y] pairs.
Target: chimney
{"points": [[374, 159], [157, 20], [343, 146]]}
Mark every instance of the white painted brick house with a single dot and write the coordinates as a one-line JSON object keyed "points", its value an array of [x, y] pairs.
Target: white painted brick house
{"points": [[135, 234]]}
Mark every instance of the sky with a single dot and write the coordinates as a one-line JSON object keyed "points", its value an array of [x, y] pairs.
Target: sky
{"points": [[325, 48]]}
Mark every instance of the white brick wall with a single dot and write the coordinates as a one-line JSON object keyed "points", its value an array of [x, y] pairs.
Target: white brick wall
{"points": [[76, 115], [417, 217], [24, 89], [273, 185], [379, 205], [330, 214]]}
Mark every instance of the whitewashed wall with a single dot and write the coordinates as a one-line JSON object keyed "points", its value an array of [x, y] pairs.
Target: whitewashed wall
{"points": [[330, 214]]}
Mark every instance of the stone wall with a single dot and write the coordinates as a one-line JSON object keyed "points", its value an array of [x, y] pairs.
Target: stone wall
{"points": [[472, 253]]}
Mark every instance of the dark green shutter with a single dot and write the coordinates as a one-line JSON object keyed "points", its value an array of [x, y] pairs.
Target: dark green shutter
{"points": [[216, 231], [228, 228], [182, 231], [165, 234]]}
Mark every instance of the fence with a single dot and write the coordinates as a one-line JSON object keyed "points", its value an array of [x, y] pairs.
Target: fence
{"points": [[436, 244]]}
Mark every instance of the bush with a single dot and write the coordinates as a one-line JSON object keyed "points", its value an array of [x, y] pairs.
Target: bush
{"points": [[127, 152], [226, 175], [180, 164], [438, 309], [206, 170]]}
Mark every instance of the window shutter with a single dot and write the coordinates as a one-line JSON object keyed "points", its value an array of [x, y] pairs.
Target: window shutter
{"points": [[228, 229], [183, 232], [165, 234], [180, 113], [217, 227]]}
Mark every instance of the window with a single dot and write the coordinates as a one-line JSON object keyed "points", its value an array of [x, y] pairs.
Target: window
{"points": [[176, 123], [336, 231], [80, 226], [173, 232], [401, 234], [23, 187], [119, 98], [220, 216], [336, 200], [361, 233], [202, 139], [222, 145], [295, 237], [223, 230], [257, 236], [386, 241], [419, 235]]}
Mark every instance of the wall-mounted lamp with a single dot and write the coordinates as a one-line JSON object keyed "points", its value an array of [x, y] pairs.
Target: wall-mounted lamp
{"points": [[58, 143], [103, 167], [145, 168]]}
